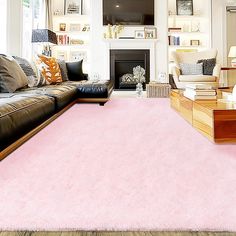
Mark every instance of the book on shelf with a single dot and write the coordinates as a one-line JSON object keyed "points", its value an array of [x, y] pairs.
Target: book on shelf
{"points": [[199, 97], [174, 29], [174, 40]]}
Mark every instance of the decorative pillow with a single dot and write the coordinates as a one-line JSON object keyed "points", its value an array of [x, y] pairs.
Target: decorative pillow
{"points": [[64, 71], [12, 77], [33, 80], [208, 65], [191, 69], [75, 70], [50, 69]]}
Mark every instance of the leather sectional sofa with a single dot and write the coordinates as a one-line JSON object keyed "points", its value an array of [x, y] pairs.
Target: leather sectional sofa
{"points": [[25, 109]]}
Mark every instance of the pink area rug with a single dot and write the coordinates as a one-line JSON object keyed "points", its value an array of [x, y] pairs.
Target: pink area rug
{"points": [[134, 164]]}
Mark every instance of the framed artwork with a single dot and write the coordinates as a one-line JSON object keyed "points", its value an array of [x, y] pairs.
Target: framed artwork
{"points": [[139, 34], [195, 42], [61, 55], [150, 32], [78, 56], [73, 7], [184, 7], [75, 27], [62, 27]]}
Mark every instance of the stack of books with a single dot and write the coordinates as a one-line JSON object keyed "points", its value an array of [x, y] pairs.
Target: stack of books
{"points": [[200, 92]]}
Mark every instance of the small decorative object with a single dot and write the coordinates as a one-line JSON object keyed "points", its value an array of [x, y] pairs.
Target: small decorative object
{"points": [[108, 34], [195, 42], [86, 28], [62, 26], [139, 34], [232, 54], [73, 7], [78, 56], [117, 29], [139, 75], [162, 77], [74, 27], [150, 32], [184, 7], [195, 26]]}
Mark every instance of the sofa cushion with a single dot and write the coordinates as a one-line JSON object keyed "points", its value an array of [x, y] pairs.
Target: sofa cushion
{"points": [[63, 68], [75, 70], [197, 78], [12, 77], [208, 65], [191, 69], [63, 94], [92, 89], [20, 113]]}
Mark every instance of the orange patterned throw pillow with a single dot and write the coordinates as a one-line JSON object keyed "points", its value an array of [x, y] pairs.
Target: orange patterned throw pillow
{"points": [[50, 70]]}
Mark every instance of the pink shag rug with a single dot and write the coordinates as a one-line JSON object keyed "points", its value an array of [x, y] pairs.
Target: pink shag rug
{"points": [[134, 164]]}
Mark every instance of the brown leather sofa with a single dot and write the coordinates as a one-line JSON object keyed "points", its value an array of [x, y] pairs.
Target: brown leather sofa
{"points": [[22, 111]]}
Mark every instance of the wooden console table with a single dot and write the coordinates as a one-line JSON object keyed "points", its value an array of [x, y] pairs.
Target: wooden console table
{"points": [[214, 119]]}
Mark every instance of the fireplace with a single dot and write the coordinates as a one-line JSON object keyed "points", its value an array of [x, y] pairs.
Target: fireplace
{"points": [[122, 63]]}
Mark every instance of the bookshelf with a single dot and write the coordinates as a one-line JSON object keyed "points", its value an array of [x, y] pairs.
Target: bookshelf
{"points": [[189, 32], [73, 33]]}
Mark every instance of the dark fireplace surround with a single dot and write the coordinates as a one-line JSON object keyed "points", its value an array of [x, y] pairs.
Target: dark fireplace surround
{"points": [[123, 61]]}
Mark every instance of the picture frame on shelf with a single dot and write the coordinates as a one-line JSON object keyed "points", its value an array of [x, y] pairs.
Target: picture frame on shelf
{"points": [[184, 7], [61, 55], [78, 56], [139, 34], [150, 32], [73, 7], [75, 27], [195, 42], [62, 27]]}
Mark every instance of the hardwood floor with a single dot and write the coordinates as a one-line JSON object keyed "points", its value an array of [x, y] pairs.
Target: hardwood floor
{"points": [[116, 233]]}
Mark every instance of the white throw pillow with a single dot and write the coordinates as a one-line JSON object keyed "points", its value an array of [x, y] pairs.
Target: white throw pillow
{"points": [[191, 69]]}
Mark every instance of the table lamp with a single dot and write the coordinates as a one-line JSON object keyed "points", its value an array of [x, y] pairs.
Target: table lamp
{"points": [[232, 53], [46, 37]]}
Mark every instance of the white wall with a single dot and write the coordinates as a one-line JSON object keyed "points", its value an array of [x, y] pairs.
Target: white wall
{"points": [[98, 46], [219, 27], [3, 20], [14, 27]]}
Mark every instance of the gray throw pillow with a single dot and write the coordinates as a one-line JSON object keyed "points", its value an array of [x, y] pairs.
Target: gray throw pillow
{"points": [[191, 69], [12, 77], [33, 80], [63, 68], [208, 65]]}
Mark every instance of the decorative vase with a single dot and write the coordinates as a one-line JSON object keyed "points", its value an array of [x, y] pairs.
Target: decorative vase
{"points": [[139, 90]]}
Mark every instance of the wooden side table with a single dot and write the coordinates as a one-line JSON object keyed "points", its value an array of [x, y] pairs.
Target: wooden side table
{"points": [[158, 90]]}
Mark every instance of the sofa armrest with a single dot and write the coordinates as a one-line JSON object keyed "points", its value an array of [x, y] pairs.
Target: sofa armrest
{"points": [[176, 73], [217, 71]]}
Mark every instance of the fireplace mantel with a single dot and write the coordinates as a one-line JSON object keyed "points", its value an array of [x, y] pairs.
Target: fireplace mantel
{"points": [[137, 44]]}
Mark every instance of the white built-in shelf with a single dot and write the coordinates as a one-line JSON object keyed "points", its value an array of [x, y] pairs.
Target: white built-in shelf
{"points": [[71, 16], [185, 16], [130, 40], [188, 46], [183, 33]]}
